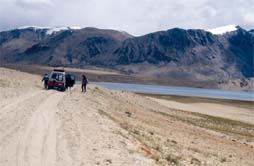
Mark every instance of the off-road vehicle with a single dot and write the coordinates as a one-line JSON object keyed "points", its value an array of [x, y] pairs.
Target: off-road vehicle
{"points": [[57, 80]]}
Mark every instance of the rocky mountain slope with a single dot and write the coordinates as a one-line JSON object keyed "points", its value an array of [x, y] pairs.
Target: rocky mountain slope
{"points": [[64, 47], [193, 51], [187, 54]]}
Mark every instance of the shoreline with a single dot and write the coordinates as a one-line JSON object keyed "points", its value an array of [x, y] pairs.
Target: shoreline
{"points": [[179, 91], [194, 99]]}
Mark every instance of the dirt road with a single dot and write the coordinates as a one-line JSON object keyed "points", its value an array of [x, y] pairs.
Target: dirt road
{"points": [[35, 144]]}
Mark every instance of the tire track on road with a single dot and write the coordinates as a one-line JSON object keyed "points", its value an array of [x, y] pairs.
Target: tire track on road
{"points": [[38, 144], [14, 118]]}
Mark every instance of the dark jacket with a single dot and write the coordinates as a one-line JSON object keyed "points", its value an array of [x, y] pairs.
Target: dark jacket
{"points": [[84, 81], [70, 80], [45, 78]]}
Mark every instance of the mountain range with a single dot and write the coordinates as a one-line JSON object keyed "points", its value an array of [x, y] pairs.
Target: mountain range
{"points": [[194, 54]]}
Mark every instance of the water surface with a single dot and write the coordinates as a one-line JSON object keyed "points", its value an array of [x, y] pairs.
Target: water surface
{"points": [[179, 91]]}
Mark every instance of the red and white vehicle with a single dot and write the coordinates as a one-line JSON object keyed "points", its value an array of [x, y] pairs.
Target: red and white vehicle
{"points": [[57, 80]]}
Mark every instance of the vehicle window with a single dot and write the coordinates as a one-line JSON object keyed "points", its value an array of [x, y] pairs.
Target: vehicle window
{"points": [[60, 77], [54, 76]]}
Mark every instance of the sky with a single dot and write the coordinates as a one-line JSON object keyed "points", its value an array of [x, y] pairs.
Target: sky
{"points": [[136, 17]]}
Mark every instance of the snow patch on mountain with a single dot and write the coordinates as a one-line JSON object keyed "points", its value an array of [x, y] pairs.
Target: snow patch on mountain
{"points": [[33, 27], [222, 30], [50, 30], [56, 29]]}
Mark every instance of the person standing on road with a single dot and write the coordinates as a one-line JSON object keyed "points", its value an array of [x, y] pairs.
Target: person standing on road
{"points": [[84, 83], [70, 81], [45, 79]]}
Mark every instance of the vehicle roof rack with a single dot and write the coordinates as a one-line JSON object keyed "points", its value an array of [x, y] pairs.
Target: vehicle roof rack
{"points": [[59, 69]]}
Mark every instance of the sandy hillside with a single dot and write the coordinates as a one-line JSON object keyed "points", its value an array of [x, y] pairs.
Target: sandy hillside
{"points": [[103, 127]]}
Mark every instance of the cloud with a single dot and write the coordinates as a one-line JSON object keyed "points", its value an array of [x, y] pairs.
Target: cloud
{"points": [[136, 17], [33, 4]]}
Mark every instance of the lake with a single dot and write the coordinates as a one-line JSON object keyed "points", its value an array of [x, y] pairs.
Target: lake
{"points": [[179, 91]]}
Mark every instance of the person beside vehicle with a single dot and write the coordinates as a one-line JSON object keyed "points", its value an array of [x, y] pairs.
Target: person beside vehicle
{"points": [[84, 83], [70, 81], [45, 79]]}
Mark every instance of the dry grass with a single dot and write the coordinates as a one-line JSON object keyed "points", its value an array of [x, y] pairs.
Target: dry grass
{"points": [[3, 83], [238, 129], [153, 129], [174, 160]]}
